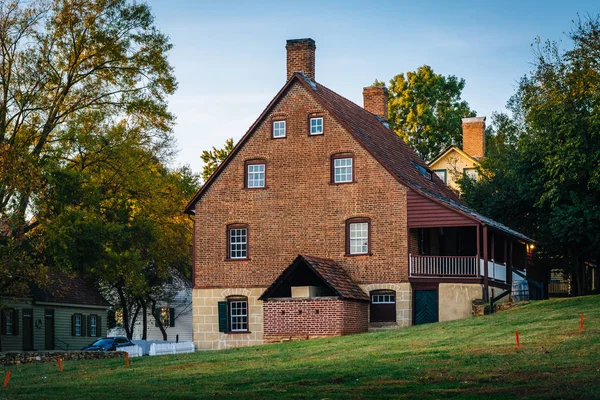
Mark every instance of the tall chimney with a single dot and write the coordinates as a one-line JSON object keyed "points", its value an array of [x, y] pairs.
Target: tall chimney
{"points": [[376, 100], [301, 57], [474, 136]]}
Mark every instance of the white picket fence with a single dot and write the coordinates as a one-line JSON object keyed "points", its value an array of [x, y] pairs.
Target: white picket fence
{"points": [[157, 349], [133, 351]]}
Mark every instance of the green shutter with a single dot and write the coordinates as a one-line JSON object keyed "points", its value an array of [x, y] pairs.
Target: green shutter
{"points": [[3, 312], [73, 325], [171, 317], [98, 326], [223, 317], [15, 322]]}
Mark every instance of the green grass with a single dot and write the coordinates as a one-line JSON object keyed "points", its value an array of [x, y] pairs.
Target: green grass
{"points": [[471, 359]]}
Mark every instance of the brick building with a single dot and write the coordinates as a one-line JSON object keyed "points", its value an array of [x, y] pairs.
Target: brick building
{"points": [[323, 222]]}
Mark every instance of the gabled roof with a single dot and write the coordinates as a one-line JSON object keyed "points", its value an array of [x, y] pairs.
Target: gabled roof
{"points": [[375, 136], [333, 275], [447, 150], [369, 130], [69, 290]]}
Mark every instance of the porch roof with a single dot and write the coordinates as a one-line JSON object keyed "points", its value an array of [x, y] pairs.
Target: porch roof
{"points": [[481, 218], [329, 271]]}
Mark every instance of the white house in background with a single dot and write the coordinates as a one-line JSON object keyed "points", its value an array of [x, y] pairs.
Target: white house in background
{"points": [[176, 315]]}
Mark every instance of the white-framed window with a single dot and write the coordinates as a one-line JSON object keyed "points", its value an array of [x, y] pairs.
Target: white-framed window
{"points": [[256, 176], [93, 325], [278, 129], [359, 237], [383, 299], [9, 323], [238, 312], [77, 325], [238, 243], [342, 170], [442, 174], [316, 126], [471, 173]]}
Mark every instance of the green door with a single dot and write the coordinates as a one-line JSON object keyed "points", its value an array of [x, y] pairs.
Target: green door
{"points": [[426, 306]]}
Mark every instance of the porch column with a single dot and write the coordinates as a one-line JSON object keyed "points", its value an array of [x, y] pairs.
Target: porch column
{"points": [[478, 260], [485, 263], [508, 263]]}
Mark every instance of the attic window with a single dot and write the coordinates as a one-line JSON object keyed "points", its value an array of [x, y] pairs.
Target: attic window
{"points": [[423, 171], [316, 126]]}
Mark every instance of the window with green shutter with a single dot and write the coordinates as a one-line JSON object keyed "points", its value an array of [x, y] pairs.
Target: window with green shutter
{"points": [[223, 317]]}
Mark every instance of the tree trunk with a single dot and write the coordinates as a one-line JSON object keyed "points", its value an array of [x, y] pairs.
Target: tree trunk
{"points": [[133, 319], [158, 319], [144, 321], [125, 311]]}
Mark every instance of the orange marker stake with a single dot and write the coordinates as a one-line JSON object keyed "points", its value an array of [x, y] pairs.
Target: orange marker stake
{"points": [[59, 364], [581, 323], [127, 359], [518, 341], [7, 378]]}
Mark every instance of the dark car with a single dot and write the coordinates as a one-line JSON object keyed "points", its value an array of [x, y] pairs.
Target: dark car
{"points": [[109, 344]]}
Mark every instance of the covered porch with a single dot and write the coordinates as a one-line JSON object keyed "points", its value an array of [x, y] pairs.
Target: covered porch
{"points": [[466, 252], [451, 245]]}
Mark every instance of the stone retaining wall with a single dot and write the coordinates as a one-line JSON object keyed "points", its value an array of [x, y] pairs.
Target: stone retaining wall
{"points": [[26, 357]]}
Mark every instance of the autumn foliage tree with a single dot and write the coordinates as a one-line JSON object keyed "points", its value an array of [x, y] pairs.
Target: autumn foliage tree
{"points": [[213, 158], [65, 64], [425, 109]]}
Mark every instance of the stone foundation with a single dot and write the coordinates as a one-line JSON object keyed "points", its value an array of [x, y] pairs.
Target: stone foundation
{"points": [[403, 304], [28, 357]]}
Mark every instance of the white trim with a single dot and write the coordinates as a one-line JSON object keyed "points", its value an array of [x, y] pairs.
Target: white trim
{"points": [[344, 175], [318, 124], [279, 129]]}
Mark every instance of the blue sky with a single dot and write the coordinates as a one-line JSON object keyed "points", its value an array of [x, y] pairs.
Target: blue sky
{"points": [[229, 57]]}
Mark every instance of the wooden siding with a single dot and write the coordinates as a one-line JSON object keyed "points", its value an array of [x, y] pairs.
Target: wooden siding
{"points": [[182, 303], [426, 213], [62, 325]]}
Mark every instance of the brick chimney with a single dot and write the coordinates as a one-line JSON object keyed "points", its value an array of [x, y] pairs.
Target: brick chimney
{"points": [[376, 101], [474, 136], [301, 57]]}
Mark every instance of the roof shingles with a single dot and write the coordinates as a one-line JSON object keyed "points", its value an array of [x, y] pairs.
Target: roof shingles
{"points": [[332, 274]]}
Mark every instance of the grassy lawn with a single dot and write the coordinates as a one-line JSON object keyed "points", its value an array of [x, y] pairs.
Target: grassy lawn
{"points": [[473, 358]]}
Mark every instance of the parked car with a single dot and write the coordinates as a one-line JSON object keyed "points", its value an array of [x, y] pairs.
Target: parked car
{"points": [[109, 344]]}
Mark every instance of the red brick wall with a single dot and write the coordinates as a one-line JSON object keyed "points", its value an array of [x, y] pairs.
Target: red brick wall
{"points": [[313, 318], [300, 212]]}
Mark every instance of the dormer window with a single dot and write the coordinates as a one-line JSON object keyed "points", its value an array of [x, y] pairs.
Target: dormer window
{"points": [[423, 171], [316, 126], [256, 174], [278, 129]]}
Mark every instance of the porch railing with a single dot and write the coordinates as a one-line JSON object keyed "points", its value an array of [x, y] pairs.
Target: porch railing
{"points": [[463, 266], [496, 270]]}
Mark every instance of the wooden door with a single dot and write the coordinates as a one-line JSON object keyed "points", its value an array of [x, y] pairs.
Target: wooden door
{"points": [[27, 329], [49, 329], [426, 306]]}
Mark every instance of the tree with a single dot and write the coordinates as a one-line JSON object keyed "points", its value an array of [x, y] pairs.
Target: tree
{"points": [[115, 215], [425, 109], [552, 172], [213, 158], [69, 64]]}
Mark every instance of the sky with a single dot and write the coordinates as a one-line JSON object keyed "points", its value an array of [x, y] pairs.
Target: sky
{"points": [[229, 57]]}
